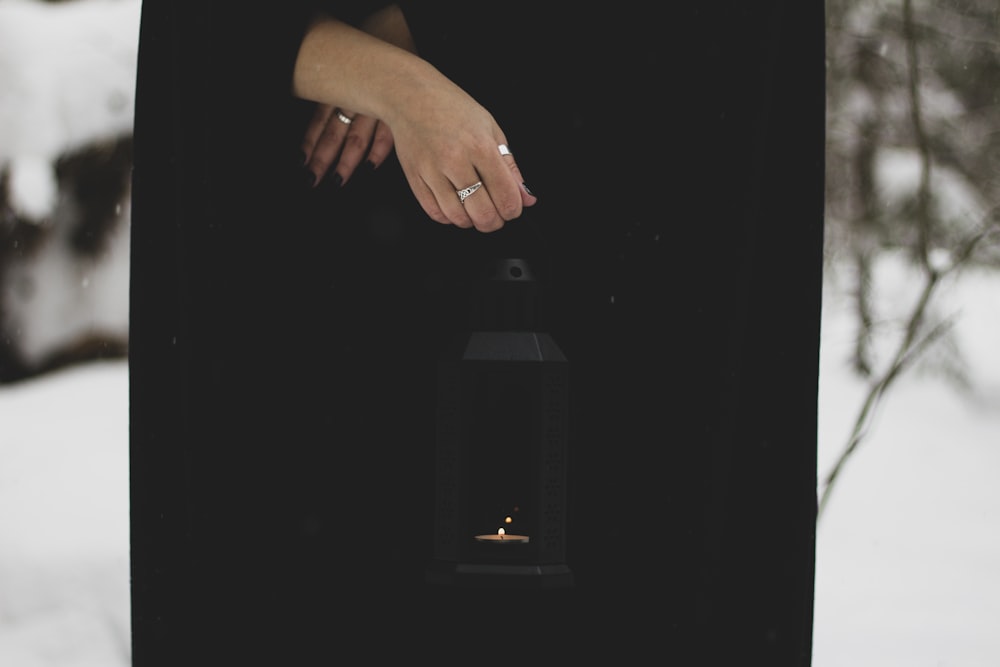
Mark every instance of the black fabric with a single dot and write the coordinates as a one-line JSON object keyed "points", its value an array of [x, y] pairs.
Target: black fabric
{"points": [[283, 340]]}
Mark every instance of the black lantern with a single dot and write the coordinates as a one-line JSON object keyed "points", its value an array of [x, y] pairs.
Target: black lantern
{"points": [[501, 451]]}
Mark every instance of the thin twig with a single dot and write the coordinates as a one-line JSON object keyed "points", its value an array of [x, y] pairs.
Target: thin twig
{"points": [[911, 346], [909, 349]]}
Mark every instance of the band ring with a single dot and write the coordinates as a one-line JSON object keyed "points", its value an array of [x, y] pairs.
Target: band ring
{"points": [[465, 192], [344, 119], [504, 150]]}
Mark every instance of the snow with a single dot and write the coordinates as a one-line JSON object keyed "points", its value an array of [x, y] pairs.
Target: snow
{"points": [[64, 533], [908, 547]]}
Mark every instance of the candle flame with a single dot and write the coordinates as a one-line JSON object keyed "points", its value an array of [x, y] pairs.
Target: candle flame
{"points": [[501, 533], [508, 520]]}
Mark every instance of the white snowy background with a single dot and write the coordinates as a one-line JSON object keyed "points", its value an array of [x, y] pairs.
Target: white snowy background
{"points": [[908, 548]]}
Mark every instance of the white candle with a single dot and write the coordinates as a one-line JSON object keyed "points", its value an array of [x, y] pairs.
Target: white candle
{"points": [[501, 537]]}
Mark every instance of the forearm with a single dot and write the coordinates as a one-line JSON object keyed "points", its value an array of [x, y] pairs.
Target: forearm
{"points": [[341, 65]]}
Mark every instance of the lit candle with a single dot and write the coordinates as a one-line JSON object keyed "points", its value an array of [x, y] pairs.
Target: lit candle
{"points": [[501, 537]]}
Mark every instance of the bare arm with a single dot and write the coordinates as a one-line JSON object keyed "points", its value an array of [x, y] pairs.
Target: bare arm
{"points": [[342, 65]]}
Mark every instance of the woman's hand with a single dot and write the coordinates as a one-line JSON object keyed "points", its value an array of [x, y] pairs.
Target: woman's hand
{"points": [[448, 145], [340, 140], [452, 151]]}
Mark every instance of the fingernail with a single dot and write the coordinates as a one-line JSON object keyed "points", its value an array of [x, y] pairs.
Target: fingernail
{"points": [[335, 180], [526, 189], [308, 177], [370, 166]]}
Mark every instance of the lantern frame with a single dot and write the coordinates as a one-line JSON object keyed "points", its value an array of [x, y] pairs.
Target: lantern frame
{"points": [[502, 446]]}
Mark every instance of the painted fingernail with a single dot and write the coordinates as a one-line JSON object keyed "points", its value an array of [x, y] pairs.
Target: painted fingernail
{"points": [[308, 177], [526, 189], [370, 166], [335, 180]]}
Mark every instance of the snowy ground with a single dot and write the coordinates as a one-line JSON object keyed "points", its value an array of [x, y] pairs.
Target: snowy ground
{"points": [[908, 548], [908, 566], [64, 534]]}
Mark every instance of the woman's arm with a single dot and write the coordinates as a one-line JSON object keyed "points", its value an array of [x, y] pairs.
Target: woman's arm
{"points": [[445, 140]]}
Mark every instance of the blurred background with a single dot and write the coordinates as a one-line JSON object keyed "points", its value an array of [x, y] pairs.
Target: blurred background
{"points": [[911, 283], [67, 79], [913, 153]]}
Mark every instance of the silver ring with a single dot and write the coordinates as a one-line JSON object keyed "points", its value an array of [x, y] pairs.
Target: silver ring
{"points": [[465, 192], [504, 150], [344, 119]]}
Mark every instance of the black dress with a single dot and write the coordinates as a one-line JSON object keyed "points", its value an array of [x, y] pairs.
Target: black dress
{"points": [[283, 339]]}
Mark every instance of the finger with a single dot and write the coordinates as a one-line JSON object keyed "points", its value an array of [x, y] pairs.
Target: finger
{"points": [[451, 201], [424, 195], [528, 198], [480, 207], [355, 146], [314, 129], [503, 196], [327, 148], [507, 189], [382, 144], [422, 191], [325, 153], [432, 206]]}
